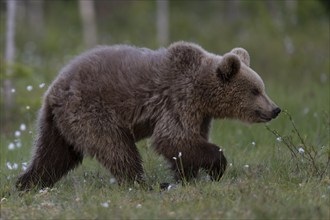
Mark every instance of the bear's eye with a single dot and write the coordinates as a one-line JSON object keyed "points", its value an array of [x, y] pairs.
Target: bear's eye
{"points": [[255, 92]]}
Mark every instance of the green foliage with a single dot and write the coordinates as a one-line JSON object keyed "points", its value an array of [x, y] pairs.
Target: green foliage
{"points": [[266, 178]]}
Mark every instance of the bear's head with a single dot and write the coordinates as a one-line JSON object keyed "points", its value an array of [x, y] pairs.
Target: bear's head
{"points": [[241, 93], [225, 86]]}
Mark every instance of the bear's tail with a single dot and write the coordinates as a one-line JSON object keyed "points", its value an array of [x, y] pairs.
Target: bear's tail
{"points": [[53, 157]]}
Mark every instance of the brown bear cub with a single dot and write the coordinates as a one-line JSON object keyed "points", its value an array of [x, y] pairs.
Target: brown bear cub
{"points": [[108, 98]]}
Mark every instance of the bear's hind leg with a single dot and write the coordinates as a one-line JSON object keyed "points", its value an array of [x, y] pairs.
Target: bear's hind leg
{"points": [[121, 157], [53, 156]]}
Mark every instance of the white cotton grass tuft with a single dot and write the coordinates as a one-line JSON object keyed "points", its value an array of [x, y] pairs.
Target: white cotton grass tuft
{"points": [[17, 133], [44, 191], [29, 88], [18, 143], [112, 180], [279, 139], [306, 110], [13, 90], [246, 166], [174, 158], [105, 204], [11, 146], [253, 143], [180, 154], [138, 206], [171, 186], [42, 85], [11, 166], [22, 127], [15, 166], [24, 166], [27, 107], [301, 150]]}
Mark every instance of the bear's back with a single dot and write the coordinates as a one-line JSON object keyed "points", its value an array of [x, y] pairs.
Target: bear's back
{"points": [[120, 64], [118, 69]]}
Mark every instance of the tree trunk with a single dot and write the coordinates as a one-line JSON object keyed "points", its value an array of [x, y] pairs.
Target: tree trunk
{"points": [[36, 16], [291, 7], [87, 13], [162, 22], [9, 58]]}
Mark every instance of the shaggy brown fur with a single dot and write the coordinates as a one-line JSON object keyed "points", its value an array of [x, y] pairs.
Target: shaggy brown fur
{"points": [[110, 97]]}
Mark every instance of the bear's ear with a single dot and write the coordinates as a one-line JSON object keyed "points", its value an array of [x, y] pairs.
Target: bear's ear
{"points": [[228, 67], [242, 54]]}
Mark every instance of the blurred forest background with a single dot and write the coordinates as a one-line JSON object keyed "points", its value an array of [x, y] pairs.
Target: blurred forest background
{"points": [[282, 177], [288, 40]]}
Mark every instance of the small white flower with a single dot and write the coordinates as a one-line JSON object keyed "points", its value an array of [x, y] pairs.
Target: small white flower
{"points": [[174, 158], [15, 166], [112, 180], [17, 133], [44, 191], [105, 204], [129, 189], [305, 111], [171, 186], [180, 154], [220, 149], [9, 166], [138, 206], [11, 146], [246, 166], [253, 143], [231, 164], [24, 166], [18, 144], [279, 139], [13, 90], [42, 85], [22, 127], [301, 150], [29, 88], [27, 107]]}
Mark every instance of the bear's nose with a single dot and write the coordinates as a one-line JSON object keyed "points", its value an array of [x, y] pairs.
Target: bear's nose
{"points": [[276, 111]]}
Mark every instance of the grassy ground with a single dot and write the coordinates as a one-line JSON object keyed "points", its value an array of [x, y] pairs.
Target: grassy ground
{"points": [[269, 177]]}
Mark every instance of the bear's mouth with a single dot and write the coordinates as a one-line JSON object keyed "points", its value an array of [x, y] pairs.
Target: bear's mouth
{"points": [[262, 117]]}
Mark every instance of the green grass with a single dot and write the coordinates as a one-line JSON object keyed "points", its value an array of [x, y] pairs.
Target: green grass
{"points": [[263, 181]]}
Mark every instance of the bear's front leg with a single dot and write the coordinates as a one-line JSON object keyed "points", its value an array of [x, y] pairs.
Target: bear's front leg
{"points": [[217, 166], [188, 155]]}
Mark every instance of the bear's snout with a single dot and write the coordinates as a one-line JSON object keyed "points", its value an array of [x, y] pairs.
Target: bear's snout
{"points": [[276, 112]]}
